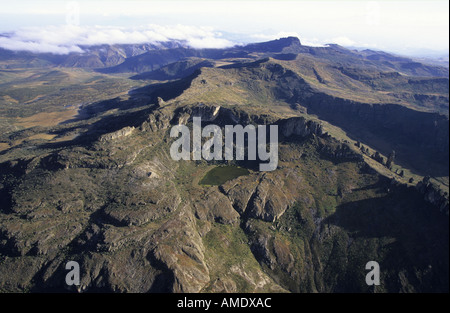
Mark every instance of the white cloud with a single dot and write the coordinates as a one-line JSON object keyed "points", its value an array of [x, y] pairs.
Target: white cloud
{"points": [[347, 42], [392, 25], [39, 47], [69, 38], [266, 37], [312, 42], [343, 41]]}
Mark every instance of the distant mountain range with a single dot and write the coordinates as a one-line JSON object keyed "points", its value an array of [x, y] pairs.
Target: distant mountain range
{"points": [[139, 58], [93, 56]]}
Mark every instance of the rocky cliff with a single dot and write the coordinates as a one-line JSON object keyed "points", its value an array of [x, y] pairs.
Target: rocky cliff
{"points": [[137, 221], [420, 138]]}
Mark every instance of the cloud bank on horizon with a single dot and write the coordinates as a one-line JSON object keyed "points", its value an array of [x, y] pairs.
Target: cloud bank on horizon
{"points": [[395, 26], [70, 38]]}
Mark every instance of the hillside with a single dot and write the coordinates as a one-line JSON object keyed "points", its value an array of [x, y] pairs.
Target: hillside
{"points": [[95, 182], [176, 70]]}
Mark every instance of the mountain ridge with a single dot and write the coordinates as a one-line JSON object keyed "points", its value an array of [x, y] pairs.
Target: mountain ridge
{"points": [[109, 58], [362, 174]]}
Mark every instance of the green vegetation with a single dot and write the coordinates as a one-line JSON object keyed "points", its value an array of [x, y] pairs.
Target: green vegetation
{"points": [[86, 174], [25, 93], [221, 174], [227, 250]]}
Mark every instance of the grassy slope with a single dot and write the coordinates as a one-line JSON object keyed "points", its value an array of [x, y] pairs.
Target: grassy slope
{"points": [[370, 85], [323, 179], [43, 98]]}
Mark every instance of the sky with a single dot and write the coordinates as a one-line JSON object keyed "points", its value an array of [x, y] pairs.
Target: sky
{"points": [[410, 27]]}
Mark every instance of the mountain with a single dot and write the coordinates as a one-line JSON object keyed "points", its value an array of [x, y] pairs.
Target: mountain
{"points": [[373, 111], [282, 49], [138, 58], [152, 60], [403, 64], [362, 173], [288, 44], [176, 70], [96, 56]]}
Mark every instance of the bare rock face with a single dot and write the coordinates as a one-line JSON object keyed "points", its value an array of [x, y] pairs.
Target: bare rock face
{"points": [[377, 157], [160, 101], [284, 256], [269, 201], [262, 196], [156, 121], [17, 240], [215, 207], [141, 204], [300, 126], [164, 117], [148, 196], [177, 247], [434, 195], [239, 192], [124, 132], [260, 248], [206, 112]]}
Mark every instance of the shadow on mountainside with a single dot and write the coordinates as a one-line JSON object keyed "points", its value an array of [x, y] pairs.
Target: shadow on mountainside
{"points": [[406, 235]]}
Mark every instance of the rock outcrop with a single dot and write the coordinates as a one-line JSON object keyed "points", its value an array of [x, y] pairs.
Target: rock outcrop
{"points": [[434, 195], [299, 126]]}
